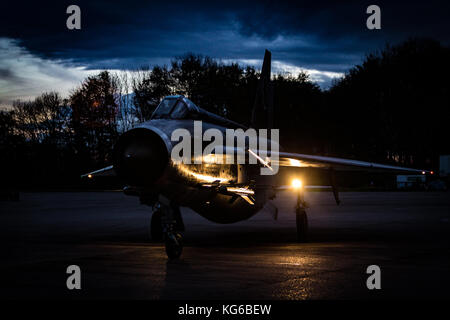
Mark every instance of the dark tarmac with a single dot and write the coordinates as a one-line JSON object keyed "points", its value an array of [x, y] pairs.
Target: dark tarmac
{"points": [[106, 234]]}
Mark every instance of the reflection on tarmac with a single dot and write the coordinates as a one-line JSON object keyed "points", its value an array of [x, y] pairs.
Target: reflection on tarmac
{"points": [[106, 234]]}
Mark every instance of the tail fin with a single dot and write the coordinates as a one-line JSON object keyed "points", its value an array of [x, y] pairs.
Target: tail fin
{"points": [[262, 113]]}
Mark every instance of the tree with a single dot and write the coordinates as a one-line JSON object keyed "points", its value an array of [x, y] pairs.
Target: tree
{"points": [[94, 108], [394, 106], [227, 90], [299, 112], [149, 87], [43, 119], [127, 114]]}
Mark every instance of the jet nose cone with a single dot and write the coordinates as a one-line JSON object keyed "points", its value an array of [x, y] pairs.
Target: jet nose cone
{"points": [[141, 159]]}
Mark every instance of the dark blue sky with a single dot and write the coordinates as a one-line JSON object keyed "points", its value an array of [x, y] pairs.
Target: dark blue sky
{"points": [[325, 37]]}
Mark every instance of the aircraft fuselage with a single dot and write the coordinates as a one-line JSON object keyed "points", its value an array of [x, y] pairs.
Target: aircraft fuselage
{"points": [[144, 161]]}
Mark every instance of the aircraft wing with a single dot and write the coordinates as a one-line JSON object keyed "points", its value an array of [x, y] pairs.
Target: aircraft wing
{"points": [[287, 159], [298, 160], [106, 171]]}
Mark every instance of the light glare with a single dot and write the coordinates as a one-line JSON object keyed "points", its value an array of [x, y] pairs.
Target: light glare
{"points": [[297, 183], [295, 163]]}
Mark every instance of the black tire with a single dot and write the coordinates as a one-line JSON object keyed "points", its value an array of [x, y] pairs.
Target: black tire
{"points": [[174, 245], [302, 225], [156, 230]]}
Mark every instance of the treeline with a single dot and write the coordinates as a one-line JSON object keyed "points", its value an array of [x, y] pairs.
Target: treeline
{"points": [[392, 108]]}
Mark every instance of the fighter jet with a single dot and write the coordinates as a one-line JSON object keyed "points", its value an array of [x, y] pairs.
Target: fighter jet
{"points": [[220, 191]]}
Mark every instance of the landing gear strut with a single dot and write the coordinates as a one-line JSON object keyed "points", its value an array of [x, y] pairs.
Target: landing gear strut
{"points": [[174, 245], [166, 225], [301, 217]]}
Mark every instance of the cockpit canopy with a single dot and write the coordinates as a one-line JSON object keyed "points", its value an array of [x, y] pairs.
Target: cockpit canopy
{"points": [[179, 107], [173, 107]]}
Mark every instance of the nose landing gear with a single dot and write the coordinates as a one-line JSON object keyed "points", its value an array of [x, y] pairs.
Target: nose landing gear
{"points": [[301, 217], [166, 225], [174, 245]]}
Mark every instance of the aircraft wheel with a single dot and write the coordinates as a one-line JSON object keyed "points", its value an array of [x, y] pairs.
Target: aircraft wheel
{"points": [[156, 230], [174, 245], [302, 224]]}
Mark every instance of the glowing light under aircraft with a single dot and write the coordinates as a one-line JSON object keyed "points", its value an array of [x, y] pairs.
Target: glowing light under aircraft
{"points": [[297, 183], [202, 177], [214, 159], [289, 162], [295, 163], [240, 190]]}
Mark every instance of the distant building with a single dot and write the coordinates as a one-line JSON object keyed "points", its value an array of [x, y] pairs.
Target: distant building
{"points": [[416, 181]]}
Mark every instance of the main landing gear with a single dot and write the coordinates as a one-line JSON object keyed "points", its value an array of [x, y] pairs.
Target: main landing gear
{"points": [[301, 217], [166, 224]]}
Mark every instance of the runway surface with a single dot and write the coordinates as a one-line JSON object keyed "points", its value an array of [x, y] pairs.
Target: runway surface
{"points": [[106, 234]]}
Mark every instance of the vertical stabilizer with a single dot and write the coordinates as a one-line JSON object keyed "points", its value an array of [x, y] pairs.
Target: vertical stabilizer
{"points": [[262, 113]]}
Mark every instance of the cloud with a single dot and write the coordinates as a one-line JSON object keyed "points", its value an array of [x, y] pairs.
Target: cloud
{"points": [[25, 75], [323, 78], [319, 34], [123, 34], [323, 38]]}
